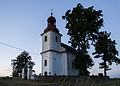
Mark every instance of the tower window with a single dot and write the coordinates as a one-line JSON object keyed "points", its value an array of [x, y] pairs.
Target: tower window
{"points": [[56, 39], [45, 63], [45, 38]]}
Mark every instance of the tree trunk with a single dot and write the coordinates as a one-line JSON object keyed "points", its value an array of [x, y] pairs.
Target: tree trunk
{"points": [[105, 68]]}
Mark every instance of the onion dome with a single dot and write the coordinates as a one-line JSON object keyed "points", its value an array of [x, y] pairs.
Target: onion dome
{"points": [[51, 20], [51, 25]]}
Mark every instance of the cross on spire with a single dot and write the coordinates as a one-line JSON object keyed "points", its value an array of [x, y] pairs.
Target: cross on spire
{"points": [[51, 12]]}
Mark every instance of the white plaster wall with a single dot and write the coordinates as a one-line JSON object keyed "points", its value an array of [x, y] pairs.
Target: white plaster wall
{"points": [[72, 71], [51, 63], [51, 41], [53, 44], [64, 64], [57, 63], [53, 58], [45, 56], [45, 45], [29, 73]]}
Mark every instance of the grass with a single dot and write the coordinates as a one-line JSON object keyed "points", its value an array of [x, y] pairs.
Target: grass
{"points": [[20, 82], [64, 81], [110, 83]]}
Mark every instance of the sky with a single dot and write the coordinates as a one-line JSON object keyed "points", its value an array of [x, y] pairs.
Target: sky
{"points": [[22, 22]]}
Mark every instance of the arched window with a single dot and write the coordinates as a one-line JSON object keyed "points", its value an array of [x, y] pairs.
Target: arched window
{"points": [[56, 39], [45, 38], [45, 63], [45, 73]]}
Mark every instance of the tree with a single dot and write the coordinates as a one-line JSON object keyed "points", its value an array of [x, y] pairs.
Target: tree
{"points": [[106, 50], [80, 63], [83, 26], [20, 61]]}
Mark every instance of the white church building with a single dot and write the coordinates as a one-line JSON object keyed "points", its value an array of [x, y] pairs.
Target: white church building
{"points": [[57, 57]]}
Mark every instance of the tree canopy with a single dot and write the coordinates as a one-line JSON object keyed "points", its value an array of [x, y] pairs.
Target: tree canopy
{"points": [[83, 26], [105, 48], [20, 61]]}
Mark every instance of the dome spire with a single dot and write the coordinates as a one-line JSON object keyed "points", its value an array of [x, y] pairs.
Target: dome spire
{"points": [[51, 24], [51, 12], [51, 20]]}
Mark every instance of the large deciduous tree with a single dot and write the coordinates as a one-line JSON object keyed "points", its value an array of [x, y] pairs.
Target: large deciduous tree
{"points": [[105, 48], [20, 61], [83, 25], [82, 62]]}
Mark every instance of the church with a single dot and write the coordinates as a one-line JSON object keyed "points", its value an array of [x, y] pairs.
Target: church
{"points": [[57, 57]]}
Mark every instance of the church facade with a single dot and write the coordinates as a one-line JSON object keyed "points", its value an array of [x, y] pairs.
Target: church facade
{"points": [[57, 57]]}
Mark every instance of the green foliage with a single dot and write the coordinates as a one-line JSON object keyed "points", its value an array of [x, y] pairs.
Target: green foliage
{"points": [[82, 62], [20, 61], [106, 50], [83, 26]]}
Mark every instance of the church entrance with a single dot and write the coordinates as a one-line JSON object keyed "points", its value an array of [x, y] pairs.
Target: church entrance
{"points": [[45, 73]]}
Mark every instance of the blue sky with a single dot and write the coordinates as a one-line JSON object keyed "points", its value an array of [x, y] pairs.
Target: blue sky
{"points": [[22, 22]]}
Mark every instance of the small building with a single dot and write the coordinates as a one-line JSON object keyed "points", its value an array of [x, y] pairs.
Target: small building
{"points": [[57, 57], [27, 71]]}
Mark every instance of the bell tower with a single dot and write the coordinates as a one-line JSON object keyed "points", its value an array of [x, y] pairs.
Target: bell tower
{"points": [[51, 47]]}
